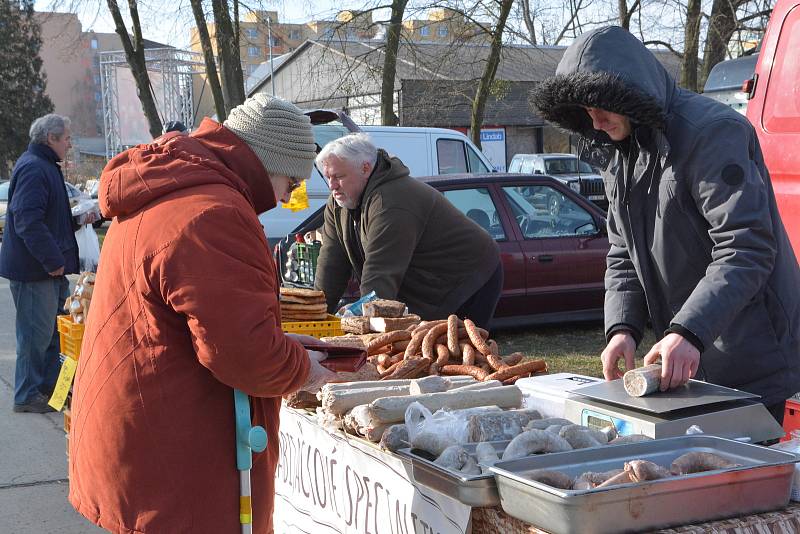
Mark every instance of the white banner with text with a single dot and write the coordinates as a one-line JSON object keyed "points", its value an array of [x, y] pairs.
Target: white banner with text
{"points": [[330, 483]]}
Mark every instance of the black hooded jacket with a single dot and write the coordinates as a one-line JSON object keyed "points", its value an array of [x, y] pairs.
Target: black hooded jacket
{"points": [[697, 243]]}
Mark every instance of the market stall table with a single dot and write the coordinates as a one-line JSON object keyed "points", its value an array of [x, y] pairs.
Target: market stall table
{"points": [[331, 482]]}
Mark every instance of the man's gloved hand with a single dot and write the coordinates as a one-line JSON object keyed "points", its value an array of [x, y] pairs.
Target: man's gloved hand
{"points": [[318, 375]]}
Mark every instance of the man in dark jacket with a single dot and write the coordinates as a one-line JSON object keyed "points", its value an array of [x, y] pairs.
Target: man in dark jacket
{"points": [[697, 243], [39, 249], [401, 238]]}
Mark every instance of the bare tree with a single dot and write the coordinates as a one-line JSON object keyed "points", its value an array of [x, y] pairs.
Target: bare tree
{"points": [[626, 13], [208, 55], [393, 32], [134, 53], [490, 70], [228, 53], [691, 46], [550, 23]]}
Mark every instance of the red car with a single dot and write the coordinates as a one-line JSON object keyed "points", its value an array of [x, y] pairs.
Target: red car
{"points": [[554, 263]]}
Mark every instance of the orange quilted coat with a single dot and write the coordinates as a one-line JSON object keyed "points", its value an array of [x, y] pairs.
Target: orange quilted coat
{"points": [[185, 309]]}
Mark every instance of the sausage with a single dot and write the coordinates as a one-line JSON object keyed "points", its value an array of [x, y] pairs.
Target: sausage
{"points": [[532, 366], [475, 372], [513, 380], [494, 359], [442, 357], [429, 341], [475, 338], [453, 457], [386, 339], [620, 478], [513, 359], [452, 336], [555, 479], [581, 437], [642, 470], [467, 354], [533, 442], [697, 462], [408, 368], [399, 346], [591, 480], [423, 327]]}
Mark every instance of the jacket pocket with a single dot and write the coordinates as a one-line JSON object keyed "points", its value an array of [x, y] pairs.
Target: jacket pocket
{"points": [[750, 347]]}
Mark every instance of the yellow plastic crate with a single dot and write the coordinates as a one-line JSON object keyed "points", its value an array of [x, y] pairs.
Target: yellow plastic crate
{"points": [[318, 329], [70, 335]]}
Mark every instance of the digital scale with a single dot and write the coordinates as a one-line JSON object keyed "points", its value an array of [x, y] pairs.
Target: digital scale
{"points": [[716, 410]]}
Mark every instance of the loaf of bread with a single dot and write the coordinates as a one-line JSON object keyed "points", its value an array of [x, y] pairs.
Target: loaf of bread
{"points": [[383, 308], [355, 325]]}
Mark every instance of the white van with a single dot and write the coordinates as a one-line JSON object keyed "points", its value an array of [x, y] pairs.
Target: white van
{"points": [[425, 151]]}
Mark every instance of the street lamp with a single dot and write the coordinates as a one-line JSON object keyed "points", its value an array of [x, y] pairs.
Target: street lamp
{"points": [[271, 64]]}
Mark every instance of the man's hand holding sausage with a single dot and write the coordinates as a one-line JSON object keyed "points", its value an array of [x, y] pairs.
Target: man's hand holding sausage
{"points": [[679, 360]]}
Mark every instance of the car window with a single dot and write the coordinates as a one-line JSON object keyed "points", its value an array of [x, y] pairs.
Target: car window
{"points": [[527, 166], [325, 133], [515, 164], [543, 211], [477, 204], [4, 191], [586, 168], [451, 156], [475, 162]]}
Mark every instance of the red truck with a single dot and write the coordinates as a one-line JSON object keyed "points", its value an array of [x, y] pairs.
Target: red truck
{"points": [[774, 109]]}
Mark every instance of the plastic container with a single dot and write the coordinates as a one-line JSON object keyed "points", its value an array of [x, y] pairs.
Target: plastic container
{"points": [[317, 329], [548, 393], [306, 256], [791, 418], [70, 334]]}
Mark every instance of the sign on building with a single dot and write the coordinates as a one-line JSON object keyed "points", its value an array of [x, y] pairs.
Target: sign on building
{"points": [[493, 146]]}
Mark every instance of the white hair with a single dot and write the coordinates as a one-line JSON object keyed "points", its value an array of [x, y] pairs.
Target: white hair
{"points": [[355, 148], [49, 124]]}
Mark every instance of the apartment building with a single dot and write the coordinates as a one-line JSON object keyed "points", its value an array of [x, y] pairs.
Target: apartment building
{"points": [[443, 26]]}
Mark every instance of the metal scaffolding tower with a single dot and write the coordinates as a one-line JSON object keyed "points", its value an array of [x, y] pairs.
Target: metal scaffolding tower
{"points": [[174, 102]]}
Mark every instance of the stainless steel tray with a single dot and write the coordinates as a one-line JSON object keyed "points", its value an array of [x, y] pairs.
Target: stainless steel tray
{"points": [[476, 490], [762, 482]]}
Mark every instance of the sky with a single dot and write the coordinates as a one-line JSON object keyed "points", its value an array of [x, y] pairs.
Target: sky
{"points": [[162, 21]]}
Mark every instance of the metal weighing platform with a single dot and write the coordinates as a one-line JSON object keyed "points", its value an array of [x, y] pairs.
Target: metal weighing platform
{"points": [[716, 410]]}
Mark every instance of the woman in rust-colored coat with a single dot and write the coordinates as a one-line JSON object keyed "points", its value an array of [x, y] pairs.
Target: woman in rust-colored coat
{"points": [[185, 309]]}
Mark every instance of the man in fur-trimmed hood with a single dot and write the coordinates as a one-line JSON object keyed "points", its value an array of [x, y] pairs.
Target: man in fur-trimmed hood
{"points": [[697, 243]]}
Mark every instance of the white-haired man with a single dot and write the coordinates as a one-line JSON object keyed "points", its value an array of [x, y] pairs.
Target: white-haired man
{"points": [[39, 249], [401, 238]]}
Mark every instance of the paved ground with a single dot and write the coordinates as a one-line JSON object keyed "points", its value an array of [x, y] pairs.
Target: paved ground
{"points": [[33, 462]]}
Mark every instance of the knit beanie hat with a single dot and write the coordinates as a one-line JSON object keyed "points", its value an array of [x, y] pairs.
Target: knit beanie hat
{"points": [[278, 132]]}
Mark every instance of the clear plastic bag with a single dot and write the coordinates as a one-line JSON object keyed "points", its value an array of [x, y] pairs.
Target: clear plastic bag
{"points": [[792, 445], [86, 209], [354, 309], [434, 432], [88, 248]]}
